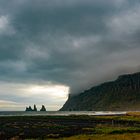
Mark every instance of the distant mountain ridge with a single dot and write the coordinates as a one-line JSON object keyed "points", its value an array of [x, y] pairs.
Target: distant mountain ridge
{"points": [[119, 95]]}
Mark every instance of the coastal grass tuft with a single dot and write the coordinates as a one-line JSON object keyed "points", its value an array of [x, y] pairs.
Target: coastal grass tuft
{"points": [[134, 136]]}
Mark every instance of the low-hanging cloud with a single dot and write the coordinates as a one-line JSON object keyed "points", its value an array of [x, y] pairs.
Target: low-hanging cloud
{"points": [[76, 43]]}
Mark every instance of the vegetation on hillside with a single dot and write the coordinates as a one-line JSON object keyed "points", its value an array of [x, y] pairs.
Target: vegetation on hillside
{"points": [[122, 94]]}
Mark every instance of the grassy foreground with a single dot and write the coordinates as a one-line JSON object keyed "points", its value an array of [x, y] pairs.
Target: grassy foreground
{"points": [[119, 127], [104, 137]]}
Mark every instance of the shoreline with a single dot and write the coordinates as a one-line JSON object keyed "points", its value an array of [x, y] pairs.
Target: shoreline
{"points": [[60, 113]]}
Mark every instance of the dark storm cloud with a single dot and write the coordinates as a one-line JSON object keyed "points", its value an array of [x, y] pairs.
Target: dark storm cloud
{"points": [[73, 42]]}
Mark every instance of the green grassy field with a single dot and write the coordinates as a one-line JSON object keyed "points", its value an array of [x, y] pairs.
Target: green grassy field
{"points": [[134, 136]]}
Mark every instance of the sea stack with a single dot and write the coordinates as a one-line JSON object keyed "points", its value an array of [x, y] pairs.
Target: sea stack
{"points": [[35, 108], [29, 108], [43, 108]]}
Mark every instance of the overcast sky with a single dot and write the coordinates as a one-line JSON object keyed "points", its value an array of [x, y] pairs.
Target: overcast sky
{"points": [[50, 48]]}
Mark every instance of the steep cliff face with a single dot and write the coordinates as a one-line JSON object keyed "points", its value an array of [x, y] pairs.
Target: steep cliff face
{"points": [[121, 94]]}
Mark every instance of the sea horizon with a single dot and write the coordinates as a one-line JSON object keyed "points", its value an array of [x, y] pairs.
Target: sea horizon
{"points": [[60, 113]]}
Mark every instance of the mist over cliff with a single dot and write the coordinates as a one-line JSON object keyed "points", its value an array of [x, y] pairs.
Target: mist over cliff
{"points": [[122, 94]]}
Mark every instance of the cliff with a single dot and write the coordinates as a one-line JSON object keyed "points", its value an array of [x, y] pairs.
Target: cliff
{"points": [[121, 94]]}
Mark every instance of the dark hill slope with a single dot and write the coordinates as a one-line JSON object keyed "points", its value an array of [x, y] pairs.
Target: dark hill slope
{"points": [[121, 94]]}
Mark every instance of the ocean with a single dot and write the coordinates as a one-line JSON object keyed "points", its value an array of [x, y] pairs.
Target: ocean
{"points": [[59, 113]]}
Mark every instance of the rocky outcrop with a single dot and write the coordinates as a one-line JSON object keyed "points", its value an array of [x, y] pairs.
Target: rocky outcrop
{"points": [[121, 94], [30, 108], [43, 108], [35, 108]]}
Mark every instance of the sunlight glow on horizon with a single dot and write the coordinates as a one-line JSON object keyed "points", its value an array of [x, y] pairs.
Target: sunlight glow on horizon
{"points": [[58, 91], [53, 96]]}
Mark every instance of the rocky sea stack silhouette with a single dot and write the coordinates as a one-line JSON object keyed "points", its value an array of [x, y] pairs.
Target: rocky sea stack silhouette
{"points": [[43, 108], [35, 108], [29, 108]]}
